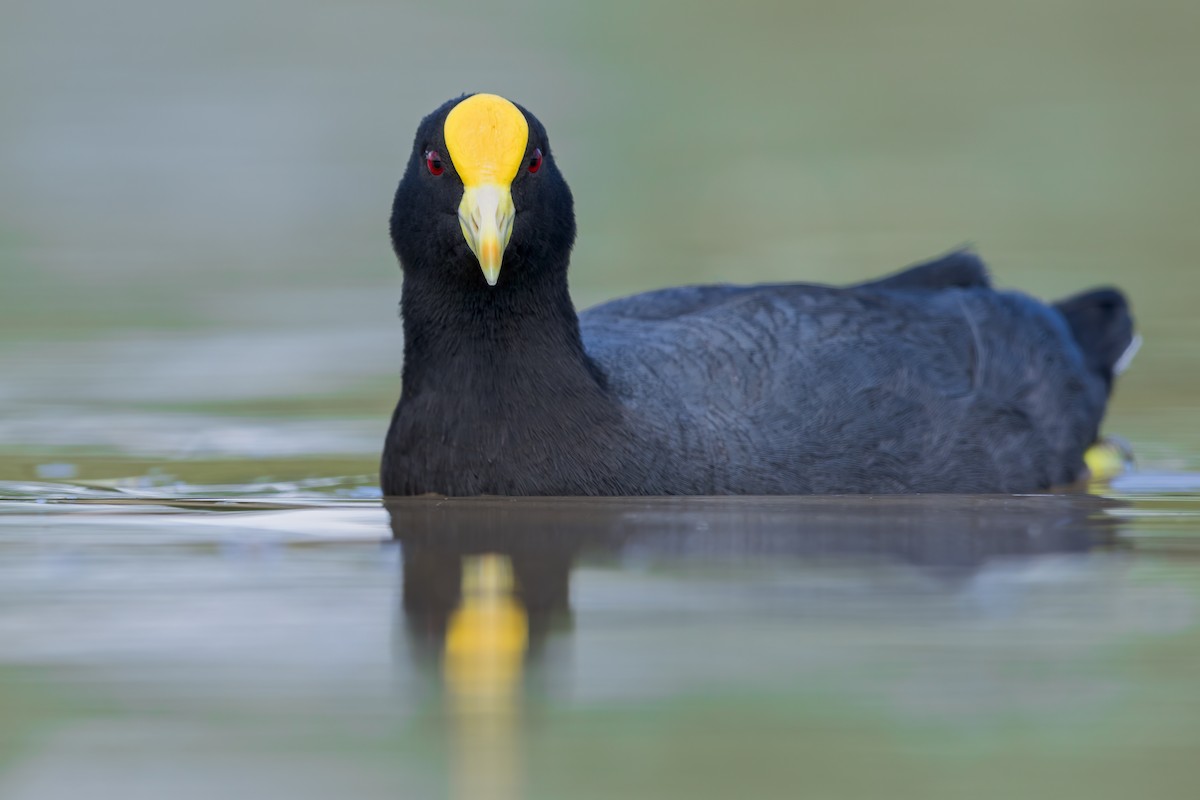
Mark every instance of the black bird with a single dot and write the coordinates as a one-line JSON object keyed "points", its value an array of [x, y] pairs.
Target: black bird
{"points": [[925, 381]]}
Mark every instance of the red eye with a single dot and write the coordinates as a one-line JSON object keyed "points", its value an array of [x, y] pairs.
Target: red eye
{"points": [[433, 160], [535, 160]]}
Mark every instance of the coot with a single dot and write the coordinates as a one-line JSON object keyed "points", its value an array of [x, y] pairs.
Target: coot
{"points": [[928, 380]]}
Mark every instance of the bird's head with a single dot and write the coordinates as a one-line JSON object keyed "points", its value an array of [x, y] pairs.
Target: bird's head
{"points": [[481, 191]]}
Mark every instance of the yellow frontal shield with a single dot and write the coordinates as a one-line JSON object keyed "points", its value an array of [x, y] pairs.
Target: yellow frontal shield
{"points": [[486, 137]]}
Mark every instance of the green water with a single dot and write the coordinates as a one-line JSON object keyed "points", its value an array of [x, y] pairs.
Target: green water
{"points": [[201, 594]]}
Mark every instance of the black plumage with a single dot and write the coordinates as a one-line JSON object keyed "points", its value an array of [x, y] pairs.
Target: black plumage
{"points": [[928, 380]]}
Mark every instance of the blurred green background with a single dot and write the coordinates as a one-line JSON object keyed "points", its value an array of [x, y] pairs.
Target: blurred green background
{"points": [[193, 196]]}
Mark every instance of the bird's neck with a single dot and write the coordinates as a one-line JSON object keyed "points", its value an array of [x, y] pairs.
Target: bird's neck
{"points": [[499, 397], [470, 337]]}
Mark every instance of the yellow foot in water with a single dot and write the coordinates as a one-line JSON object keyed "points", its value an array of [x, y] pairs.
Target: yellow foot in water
{"points": [[1109, 457]]}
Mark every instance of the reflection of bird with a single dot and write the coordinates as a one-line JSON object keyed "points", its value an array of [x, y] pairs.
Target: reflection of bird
{"points": [[460, 560], [542, 540], [926, 381], [487, 635]]}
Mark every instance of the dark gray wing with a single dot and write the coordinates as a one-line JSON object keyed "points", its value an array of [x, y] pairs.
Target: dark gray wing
{"points": [[959, 269], [924, 381]]}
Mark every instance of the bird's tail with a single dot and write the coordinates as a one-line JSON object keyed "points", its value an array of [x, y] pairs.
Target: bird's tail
{"points": [[1103, 327]]}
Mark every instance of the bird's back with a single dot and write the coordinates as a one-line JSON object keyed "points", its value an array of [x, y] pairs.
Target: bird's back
{"points": [[927, 381]]}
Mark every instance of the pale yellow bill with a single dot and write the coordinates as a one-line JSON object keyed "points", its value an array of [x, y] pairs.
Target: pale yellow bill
{"points": [[486, 137], [486, 216]]}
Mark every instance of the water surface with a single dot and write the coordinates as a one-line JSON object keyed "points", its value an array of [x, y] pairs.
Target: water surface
{"points": [[302, 641]]}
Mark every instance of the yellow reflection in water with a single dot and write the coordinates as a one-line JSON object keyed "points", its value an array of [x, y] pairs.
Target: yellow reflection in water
{"points": [[485, 654]]}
